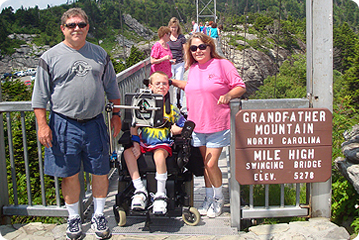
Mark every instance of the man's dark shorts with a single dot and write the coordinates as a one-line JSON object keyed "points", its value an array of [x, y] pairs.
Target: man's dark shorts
{"points": [[73, 141]]}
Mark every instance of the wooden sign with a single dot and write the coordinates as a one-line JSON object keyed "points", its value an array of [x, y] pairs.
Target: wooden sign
{"points": [[283, 146]]}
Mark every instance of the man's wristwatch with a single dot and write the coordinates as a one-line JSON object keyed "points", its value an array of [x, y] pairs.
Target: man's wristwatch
{"points": [[117, 113]]}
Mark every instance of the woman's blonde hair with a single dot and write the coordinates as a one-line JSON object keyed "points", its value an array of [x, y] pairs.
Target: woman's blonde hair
{"points": [[174, 21], [206, 40]]}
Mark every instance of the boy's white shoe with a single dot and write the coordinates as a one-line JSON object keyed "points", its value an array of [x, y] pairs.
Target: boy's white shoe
{"points": [[139, 200], [216, 208], [160, 204]]}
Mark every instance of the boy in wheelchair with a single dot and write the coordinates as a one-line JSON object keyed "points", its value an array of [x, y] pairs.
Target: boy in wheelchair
{"points": [[156, 140]]}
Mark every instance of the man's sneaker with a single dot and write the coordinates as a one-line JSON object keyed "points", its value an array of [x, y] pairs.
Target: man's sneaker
{"points": [[74, 228], [205, 206], [216, 208], [139, 200], [160, 204], [99, 225]]}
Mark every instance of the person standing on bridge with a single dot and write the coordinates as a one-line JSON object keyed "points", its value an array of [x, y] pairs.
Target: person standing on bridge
{"points": [[195, 28], [212, 82], [74, 76], [161, 55], [214, 32], [176, 43]]}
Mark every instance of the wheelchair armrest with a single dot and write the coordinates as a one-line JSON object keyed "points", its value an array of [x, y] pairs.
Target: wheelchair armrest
{"points": [[125, 139]]}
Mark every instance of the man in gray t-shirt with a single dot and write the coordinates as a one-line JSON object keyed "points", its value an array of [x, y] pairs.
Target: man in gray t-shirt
{"points": [[74, 76]]}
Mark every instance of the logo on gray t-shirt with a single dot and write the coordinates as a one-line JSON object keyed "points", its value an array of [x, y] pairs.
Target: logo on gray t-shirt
{"points": [[81, 68]]}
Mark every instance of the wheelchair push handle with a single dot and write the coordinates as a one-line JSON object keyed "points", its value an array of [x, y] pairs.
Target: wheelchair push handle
{"points": [[113, 155]]}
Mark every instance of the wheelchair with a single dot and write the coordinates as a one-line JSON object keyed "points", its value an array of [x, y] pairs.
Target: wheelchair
{"points": [[181, 166]]}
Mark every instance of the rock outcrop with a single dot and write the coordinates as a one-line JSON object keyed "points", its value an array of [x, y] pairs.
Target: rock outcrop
{"points": [[256, 65], [349, 166], [137, 27], [27, 56]]}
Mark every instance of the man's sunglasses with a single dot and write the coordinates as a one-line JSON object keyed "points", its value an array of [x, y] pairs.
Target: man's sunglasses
{"points": [[202, 46], [73, 25]]}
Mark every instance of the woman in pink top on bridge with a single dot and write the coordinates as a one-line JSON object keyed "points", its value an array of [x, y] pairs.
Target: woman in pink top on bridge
{"points": [[161, 55], [212, 82]]}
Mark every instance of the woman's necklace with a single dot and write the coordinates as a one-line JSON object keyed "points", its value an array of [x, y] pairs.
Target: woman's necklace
{"points": [[173, 37]]}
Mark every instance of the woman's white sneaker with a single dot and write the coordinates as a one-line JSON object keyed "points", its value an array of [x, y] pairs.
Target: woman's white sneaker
{"points": [[205, 206], [216, 208]]}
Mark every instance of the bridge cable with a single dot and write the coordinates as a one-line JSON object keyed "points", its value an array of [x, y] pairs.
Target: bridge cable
{"points": [[277, 49], [179, 15], [245, 37], [123, 38]]}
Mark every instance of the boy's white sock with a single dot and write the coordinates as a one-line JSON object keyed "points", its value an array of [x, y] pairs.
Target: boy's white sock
{"points": [[161, 183], [138, 184]]}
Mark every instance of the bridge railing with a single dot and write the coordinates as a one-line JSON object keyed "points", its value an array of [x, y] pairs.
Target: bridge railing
{"points": [[128, 81]]}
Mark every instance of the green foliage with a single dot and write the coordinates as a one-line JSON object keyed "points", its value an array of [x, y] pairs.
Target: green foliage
{"points": [[344, 199], [288, 83], [135, 57], [345, 43], [15, 90], [261, 23]]}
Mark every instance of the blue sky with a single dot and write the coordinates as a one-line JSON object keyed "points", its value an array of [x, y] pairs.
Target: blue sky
{"points": [[15, 4]]}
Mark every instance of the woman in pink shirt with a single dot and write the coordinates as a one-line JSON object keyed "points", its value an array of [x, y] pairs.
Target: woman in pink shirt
{"points": [[212, 82], [161, 54]]}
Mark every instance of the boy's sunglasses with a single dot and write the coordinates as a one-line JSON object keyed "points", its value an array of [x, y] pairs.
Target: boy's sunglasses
{"points": [[202, 46], [73, 25]]}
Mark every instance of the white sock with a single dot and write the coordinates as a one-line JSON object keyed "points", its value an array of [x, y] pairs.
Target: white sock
{"points": [[99, 205], [73, 209], [138, 184], [161, 183], [209, 192], [218, 192]]}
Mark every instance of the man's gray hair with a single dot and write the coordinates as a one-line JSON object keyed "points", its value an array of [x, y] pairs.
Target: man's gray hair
{"points": [[74, 12]]}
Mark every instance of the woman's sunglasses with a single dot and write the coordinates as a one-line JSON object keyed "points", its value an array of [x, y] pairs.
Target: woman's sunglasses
{"points": [[202, 46], [73, 25]]}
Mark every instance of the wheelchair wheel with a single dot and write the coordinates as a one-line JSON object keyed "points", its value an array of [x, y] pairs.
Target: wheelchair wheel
{"points": [[121, 217], [191, 217]]}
